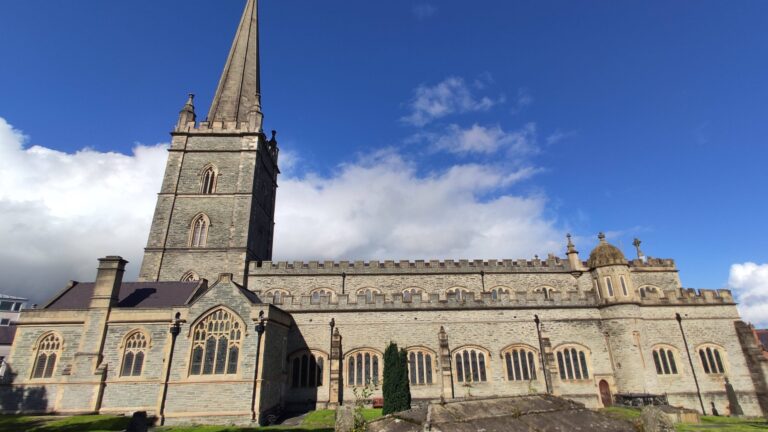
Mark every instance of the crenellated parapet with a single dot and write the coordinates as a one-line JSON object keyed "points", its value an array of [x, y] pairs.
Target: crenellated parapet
{"points": [[688, 296], [551, 264], [484, 300], [649, 263]]}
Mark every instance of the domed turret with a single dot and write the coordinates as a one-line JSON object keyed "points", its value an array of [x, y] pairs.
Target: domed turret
{"points": [[605, 254]]}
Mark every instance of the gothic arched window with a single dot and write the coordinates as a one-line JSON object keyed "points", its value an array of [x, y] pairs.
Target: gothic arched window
{"points": [[609, 285], [497, 292], [208, 180], [410, 293], [363, 368], [216, 344], [712, 359], [664, 360], [548, 291], [199, 231], [315, 295], [190, 276], [520, 362], [134, 352], [420, 366], [277, 295], [572, 363], [461, 294], [48, 351], [470, 365], [369, 293], [307, 370]]}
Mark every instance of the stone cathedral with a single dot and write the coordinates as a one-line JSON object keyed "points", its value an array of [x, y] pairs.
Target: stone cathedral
{"points": [[215, 332]]}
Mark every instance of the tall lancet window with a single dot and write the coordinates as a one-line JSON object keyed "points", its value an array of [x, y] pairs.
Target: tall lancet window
{"points": [[208, 185], [199, 231]]}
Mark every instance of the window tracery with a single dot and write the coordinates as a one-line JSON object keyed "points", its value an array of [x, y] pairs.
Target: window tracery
{"points": [[470, 365], [48, 351], [420, 366], [665, 361], [369, 293], [216, 344], [498, 291], [572, 363], [712, 359], [277, 296], [199, 231], [363, 368], [307, 370], [548, 291], [190, 276], [410, 293], [461, 294], [520, 363], [208, 180], [320, 292], [134, 353]]}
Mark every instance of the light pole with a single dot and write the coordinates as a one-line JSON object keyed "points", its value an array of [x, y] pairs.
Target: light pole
{"points": [[690, 361], [541, 354], [175, 330], [260, 327]]}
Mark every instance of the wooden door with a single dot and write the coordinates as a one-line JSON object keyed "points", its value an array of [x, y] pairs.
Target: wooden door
{"points": [[605, 393]]}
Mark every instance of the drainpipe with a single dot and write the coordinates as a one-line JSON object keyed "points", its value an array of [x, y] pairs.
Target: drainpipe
{"points": [[541, 354], [175, 330], [259, 331], [690, 361], [482, 279], [343, 284]]}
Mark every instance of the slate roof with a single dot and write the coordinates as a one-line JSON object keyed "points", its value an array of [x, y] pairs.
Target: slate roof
{"points": [[132, 294]]}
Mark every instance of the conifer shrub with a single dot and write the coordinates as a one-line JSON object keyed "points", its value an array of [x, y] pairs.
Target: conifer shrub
{"points": [[396, 388]]}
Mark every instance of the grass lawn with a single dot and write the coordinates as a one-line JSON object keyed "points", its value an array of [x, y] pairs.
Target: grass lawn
{"points": [[718, 424], [316, 421]]}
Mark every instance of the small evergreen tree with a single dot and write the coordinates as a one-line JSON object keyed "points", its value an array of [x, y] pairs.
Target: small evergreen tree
{"points": [[396, 389], [405, 382]]}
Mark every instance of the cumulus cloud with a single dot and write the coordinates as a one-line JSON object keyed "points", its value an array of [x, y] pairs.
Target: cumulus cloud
{"points": [[382, 208], [487, 140], [423, 10], [451, 96], [61, 211], [749, 281]]}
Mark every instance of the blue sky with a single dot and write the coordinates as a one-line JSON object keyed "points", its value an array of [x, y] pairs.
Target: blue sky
{"points": [[642, 119]]}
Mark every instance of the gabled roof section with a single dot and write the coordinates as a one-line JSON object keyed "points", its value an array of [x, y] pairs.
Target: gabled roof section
{"points": [[225, 279], [132, 295], [240, 84]]}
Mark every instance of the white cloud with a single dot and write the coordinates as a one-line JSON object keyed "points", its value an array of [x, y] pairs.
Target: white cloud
{"points": [[487, 140], [424, 10], [749, 281], [523, 100], [451, 96], [381, 208], [62, 211]]}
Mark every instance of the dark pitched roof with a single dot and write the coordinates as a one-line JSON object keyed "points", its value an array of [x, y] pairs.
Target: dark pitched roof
{"points": [[7, 333], [132, 294]]}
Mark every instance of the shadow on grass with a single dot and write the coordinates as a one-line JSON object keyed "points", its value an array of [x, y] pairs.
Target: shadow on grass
{"points": [[10, 423]]}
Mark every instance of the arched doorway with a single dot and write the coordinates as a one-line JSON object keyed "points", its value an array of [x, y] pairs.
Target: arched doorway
{"points": [[605, 393]]}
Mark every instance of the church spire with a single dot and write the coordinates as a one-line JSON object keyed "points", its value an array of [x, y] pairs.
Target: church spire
{"points": [[239, 90]]}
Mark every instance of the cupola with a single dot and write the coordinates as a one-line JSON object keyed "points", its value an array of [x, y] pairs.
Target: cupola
{"points": [[605, 254]]}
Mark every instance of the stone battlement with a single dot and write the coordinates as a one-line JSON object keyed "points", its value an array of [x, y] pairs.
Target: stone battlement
{"points": [[205, 127], [519, 299], [552, 264]]}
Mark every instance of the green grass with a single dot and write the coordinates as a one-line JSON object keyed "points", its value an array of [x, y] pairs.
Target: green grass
{"points": [[315, 421], [95, 423], [714, 424], [725, 424]]}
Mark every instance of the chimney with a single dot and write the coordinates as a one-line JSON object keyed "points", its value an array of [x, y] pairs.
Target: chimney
{"points": [[109, 277]]}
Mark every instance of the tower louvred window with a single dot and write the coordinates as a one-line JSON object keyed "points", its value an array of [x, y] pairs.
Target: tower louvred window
{"points": [[199, 234], [208, 185], [216, 344]]}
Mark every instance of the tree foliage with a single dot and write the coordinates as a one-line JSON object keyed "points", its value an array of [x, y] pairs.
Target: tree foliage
{"points": [[396, 388]]}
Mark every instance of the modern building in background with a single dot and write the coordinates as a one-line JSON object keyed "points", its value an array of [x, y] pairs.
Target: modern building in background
{"points": [[212, 315], [10, 309]]}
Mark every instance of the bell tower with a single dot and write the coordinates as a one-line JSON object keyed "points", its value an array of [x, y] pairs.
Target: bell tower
{"points": [[215, 210]]}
